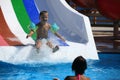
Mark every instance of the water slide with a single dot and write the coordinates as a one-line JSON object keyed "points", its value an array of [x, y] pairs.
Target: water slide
{"points": [[16, 15], [103, 6], [85, 3]]}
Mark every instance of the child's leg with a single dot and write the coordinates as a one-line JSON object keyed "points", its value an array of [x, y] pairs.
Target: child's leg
{"points": [[49, 44], [38, 44]]}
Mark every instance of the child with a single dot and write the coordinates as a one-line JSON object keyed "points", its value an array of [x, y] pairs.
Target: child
{"points": [[79, 66], [42, 31]]}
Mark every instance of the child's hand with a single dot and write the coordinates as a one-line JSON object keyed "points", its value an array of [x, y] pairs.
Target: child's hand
{"points": [[30, 34], [27, 36]]}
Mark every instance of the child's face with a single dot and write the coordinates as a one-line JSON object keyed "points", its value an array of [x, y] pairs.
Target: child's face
{"points": [[44, 17]]}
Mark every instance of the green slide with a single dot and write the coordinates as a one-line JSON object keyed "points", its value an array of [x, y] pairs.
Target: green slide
{"points": [[22, 15]]}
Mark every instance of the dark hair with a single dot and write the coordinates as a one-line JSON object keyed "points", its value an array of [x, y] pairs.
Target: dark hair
{"points": [[43, 12], [79, 65]]}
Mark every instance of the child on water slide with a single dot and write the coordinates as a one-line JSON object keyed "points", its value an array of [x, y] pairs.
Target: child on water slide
{"points": [[42, 31]]}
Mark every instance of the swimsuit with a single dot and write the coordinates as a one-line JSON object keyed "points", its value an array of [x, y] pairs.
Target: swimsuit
{"points": [[78, 77], [42, 38]]}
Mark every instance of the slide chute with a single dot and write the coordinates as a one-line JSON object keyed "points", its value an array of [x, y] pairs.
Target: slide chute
{"points": [[109, 8]]}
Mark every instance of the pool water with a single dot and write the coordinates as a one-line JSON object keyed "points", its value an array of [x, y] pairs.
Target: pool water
{"points": [[107, 68]]}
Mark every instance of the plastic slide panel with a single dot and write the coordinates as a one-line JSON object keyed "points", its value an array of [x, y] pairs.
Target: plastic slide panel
{"points": [[109, 8], [22, 15], [5, 32], [31, 10], [3, 42], [12, 22]]}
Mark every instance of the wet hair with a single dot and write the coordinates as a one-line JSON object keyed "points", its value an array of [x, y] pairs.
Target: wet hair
{"points": [[79, 65], [42, 12]]}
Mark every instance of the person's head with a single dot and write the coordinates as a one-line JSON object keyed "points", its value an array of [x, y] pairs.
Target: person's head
{"points": [[79, 65], [43, 16]]}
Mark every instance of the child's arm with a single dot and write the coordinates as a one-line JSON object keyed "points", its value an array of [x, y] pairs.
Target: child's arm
{"points": [[54, 28], [32, 28], [58, 35], [30, 34]]}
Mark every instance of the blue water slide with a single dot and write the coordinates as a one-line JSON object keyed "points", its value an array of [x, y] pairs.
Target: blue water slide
{"points": [[31, 10]]}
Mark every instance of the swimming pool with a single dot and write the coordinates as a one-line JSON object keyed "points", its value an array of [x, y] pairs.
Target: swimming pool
{"points": [[107, 68]]}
